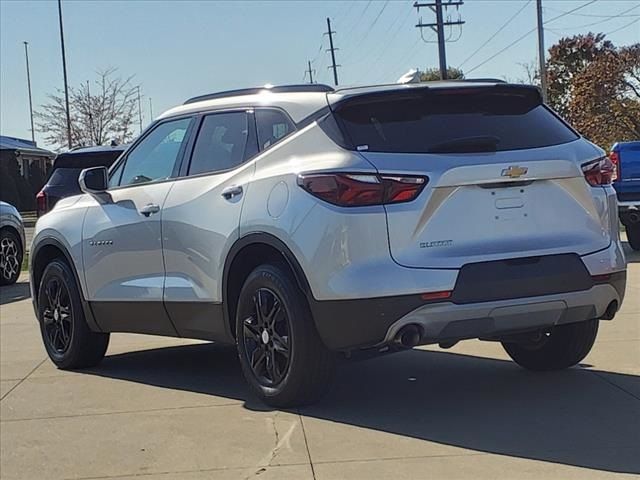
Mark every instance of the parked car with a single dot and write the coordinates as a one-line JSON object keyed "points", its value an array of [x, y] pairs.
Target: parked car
{"points": [[63, 180], [302, 222], [11, 244], [626, 157]]}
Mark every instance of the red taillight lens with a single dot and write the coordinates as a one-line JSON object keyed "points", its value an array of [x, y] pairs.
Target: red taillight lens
{"points": [[361, 189], [615, 159], [41, 203], [599, 172]]}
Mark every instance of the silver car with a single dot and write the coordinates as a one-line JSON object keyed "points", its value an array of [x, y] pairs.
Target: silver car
{"points": [[11, 244], [302, 223]]}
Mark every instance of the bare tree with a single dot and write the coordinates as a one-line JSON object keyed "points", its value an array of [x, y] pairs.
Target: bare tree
{"points": [[99, 114]]}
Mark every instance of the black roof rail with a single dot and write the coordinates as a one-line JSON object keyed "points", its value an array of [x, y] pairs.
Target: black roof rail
{"points": [[308, 87], [485, 80]]}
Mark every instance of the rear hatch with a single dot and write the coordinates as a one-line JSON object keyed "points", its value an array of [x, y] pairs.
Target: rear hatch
{"points": [[504, 176]]}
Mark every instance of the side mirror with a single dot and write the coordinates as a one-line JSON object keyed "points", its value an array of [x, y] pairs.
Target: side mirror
{"points": [[94, 180]]}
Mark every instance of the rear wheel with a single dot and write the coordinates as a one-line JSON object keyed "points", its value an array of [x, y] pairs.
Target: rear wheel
{"points": [[65, 333], [10, 257], [282, 356], [633, 235], [562, 347]]}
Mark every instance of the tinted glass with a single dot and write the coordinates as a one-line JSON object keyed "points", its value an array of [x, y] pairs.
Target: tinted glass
{"points": [[64, 177], [154, 157], [272, 126], [114, 176], [452, 121], [221, 143]]}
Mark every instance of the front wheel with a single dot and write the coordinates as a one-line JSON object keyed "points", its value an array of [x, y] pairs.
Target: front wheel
{"points": [[65, 333], [562, 347], [633, 235], [282, 356]]}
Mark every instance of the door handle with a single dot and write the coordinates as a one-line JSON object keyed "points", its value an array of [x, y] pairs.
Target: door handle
{"points": [[149, 209], [232, 191]]}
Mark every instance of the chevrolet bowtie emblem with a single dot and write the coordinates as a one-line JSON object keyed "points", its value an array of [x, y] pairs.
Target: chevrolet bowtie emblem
{"points": [[514, 172]]}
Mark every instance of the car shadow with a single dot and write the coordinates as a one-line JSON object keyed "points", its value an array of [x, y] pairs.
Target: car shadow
{"points": [[483, 404], [14, 293]]}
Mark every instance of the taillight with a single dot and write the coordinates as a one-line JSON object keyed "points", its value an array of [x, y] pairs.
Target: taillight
{"points": [[41, 202], [599, 172], [362, 189], [615, 159]]}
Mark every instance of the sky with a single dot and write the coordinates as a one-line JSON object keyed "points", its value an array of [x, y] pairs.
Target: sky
{"points": [[180, 49]]}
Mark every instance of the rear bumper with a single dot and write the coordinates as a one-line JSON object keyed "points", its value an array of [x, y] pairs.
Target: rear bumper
{"points": [[355, 324]]}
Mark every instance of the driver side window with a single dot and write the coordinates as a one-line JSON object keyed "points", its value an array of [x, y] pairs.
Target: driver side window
{"points": [[155, 156]]}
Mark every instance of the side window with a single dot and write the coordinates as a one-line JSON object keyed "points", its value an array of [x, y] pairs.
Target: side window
{"points": [[114, 177], [155, 156], [272, 126], [221, 143]]}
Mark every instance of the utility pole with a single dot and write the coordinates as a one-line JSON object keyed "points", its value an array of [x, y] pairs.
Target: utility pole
{"points": [[438, 27], [139, 110], [150, 110], [541, 56], [90, 110], [310, 71], [333, 52], [26, 56], [64, 72]]}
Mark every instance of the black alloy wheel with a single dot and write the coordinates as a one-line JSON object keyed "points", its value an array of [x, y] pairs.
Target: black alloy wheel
{"points": [[266, 335], [69, 341], [57, 315]]}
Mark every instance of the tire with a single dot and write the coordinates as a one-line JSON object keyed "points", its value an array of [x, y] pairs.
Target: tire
{"points": [[633, 235], [67, 338], [565, 346], [303, 373], [10, 257]]}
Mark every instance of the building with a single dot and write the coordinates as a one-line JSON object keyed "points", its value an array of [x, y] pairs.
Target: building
{"points": [[24, 169]]}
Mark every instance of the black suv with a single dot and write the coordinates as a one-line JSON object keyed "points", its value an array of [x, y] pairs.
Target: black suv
{"points": [[63, 181]]}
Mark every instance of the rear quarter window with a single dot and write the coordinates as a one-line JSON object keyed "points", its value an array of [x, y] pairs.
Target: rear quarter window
{"points": [[452, 121]]}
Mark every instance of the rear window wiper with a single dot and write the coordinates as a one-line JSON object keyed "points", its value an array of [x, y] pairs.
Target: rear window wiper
{"points": [[481, 143]]}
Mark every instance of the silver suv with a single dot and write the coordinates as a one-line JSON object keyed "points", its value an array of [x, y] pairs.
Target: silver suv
{"points": [[302, 223]]}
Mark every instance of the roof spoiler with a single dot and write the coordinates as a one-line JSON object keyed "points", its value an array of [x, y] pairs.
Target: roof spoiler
{"points": [[309, 87]]}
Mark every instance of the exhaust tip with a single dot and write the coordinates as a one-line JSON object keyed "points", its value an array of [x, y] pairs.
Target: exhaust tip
{"points": [[611, 310], [408, 336]]}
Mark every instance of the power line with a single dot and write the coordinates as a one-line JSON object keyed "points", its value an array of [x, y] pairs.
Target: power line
{"points": [[371, 25], [587, 14], [384, 45], [623, 27], [619, 15], [520, 38], [504, 25], [351, 30]]}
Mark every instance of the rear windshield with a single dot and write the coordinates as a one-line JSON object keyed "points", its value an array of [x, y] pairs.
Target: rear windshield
{"points": [[64, 177], [87, 159], [452, 121]]}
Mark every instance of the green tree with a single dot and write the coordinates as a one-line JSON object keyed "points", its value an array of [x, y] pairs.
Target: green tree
{"points": [[596, 87], [431, 74]]}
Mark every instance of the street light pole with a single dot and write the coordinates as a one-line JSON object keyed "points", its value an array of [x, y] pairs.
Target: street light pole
{"points": [[64, 71], [26, 56]]}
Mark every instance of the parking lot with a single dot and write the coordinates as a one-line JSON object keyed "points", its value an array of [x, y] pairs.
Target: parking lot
{"points": [[178, 409]]}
